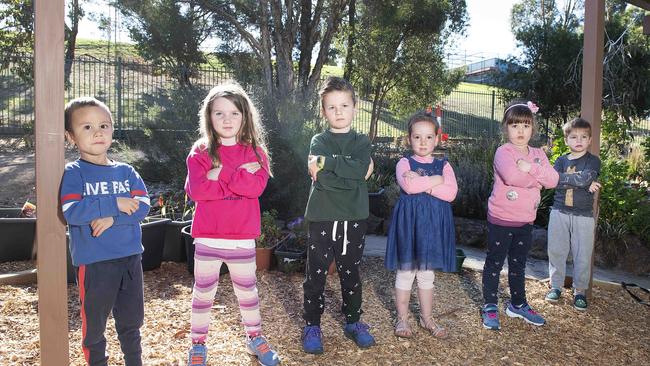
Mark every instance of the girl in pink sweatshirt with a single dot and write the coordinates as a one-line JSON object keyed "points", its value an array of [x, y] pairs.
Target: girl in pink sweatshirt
{"points": [[227, 171], [421, 238], [520, 171]]}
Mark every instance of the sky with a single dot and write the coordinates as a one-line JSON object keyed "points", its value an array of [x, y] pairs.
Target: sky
{"points": [[487, 35]]}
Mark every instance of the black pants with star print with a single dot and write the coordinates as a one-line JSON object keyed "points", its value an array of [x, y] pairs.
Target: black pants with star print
{"points": [[321, 250], [513, 242]]}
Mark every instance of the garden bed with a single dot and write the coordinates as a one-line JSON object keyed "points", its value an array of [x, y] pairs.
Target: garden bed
{"points": [[615, 330]]}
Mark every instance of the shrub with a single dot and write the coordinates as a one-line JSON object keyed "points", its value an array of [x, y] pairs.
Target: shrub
{"points": [[473, 165]]}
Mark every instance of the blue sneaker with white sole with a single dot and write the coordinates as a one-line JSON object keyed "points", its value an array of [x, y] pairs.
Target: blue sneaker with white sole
{"points": [[260, 348], [525, 312], [490, 317]]}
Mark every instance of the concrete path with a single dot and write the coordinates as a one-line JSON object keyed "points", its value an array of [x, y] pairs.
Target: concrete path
{"points": [[535, 268]]}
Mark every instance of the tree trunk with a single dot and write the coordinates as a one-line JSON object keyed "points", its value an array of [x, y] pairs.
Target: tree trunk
{"points": [[374, 116], [75, 15], [349, 56]]}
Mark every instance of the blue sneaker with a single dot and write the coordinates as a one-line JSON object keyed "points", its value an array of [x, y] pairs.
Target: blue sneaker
{"points": [[525, 312], [553, 296], [358, 332], [198, 355], [312, 340], [490, 317], [259, 347]]}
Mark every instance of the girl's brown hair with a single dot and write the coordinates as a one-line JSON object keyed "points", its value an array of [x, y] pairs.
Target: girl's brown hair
{"points": [[251, 132], [517, 112]]}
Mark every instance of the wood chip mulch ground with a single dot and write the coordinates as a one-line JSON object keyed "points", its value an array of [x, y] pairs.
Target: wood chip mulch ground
{"points": [[615, 330]]}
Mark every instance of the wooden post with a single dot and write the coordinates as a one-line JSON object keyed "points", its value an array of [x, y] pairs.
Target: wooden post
{"points": [[50, 230], [592, 84]]}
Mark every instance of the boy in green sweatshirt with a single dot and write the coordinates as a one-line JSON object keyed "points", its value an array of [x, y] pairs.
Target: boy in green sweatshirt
{"points": [[337, 211]]}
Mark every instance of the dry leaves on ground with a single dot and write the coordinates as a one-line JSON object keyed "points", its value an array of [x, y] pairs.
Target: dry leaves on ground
{"points": [[615, 330]]}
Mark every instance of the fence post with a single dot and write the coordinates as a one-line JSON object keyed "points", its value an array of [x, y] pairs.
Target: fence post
{"points": [[493, 98], [118, 95]]}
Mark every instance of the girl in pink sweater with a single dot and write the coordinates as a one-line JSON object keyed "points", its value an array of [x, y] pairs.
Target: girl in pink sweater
{"points": [[227, 171], [520, 171], [421, 238]]}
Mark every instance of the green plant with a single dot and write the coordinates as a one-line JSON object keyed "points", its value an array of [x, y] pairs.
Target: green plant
{"points": [[472, 163], [270, 233], [174, 205]]}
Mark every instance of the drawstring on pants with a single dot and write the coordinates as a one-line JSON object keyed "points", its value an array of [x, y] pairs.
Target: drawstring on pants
{"points": [[345, 235]]}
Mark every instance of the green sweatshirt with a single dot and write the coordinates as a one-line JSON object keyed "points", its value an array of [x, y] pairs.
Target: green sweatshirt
{"points": [[340, 192]]}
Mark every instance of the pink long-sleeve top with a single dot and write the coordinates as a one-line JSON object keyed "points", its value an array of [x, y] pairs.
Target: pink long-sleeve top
{"points": [[446, 191], [227, 208], [516, 194]]}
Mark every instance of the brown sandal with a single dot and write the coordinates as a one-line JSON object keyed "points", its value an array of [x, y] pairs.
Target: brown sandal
{"points": [[433, 327], [402, 328]]}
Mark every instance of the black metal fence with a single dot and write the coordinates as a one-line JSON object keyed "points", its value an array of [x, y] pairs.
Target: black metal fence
{"points": [[130, 90]]}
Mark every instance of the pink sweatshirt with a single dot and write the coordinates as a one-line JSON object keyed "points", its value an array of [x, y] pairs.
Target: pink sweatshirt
{"points": [[516, 195], [227, 208], [446, 191]]}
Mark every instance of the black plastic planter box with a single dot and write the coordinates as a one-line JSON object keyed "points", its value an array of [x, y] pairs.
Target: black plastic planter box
{"points": [[16, 235], [290, 259], [153, 241], [174, 247]]}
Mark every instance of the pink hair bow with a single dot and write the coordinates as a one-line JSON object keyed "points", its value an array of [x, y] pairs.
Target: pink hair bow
{"points": [[532, 106]]}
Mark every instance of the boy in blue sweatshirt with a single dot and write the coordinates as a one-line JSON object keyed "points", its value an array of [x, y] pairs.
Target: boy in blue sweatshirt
{"points": [[103, 202]]}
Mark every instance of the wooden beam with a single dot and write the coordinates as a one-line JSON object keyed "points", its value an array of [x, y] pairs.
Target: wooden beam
{"points": [[643, 4], [50, 230], [592, 83], [646, 25]]}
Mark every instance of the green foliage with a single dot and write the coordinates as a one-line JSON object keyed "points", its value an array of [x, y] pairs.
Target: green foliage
{"points": [[551, 45], [398, 52], [169, 134], [17, 37], [271, 233], [168, 33], [624, 209], [473, 165]]}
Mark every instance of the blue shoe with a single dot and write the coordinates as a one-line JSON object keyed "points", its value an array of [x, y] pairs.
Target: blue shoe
{"points": [[553, 295], [198, 355], [525, 312], [312, 340], [358, 332], [580, 302], [490, 316], [259, 347]]}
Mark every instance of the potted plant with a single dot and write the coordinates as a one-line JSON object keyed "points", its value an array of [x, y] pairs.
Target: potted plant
{"points": [[17, 233], [269, 238], [188, 243], [290, 255]]}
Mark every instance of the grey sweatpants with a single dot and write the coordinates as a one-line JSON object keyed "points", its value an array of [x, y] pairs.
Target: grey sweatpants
{"points": [[575, 233]]}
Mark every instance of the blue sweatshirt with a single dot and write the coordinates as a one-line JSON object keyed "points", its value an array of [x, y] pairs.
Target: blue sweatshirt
{"points": [[88, 192]]}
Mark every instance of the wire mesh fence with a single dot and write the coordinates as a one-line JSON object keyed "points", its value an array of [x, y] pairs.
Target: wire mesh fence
{"points": [[130, 89]]}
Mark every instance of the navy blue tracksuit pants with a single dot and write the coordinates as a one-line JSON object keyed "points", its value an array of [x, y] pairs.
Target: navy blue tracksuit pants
{"points": [[513, 242], [113, 285]]}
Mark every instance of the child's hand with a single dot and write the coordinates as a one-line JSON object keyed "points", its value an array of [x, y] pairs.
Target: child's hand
{"points": [[371, 168], [213, 174], [312, 165], [523, 165], [594, 187], [251, 167], [410, 174], [127, 205], [437, 180], [100, 225]]}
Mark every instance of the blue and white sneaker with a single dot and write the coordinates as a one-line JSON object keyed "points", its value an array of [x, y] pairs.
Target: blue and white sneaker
{"points": [[553, 296], [198, 355], [525, 312], [490, 317], [312, 340], [260, 348], [358, 332]]}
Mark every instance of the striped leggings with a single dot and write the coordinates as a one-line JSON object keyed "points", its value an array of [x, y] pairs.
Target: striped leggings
{"points": [[241, 264]]}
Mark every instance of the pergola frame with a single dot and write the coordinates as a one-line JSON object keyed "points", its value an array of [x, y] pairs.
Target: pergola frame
{"points": [[49, 132]]}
